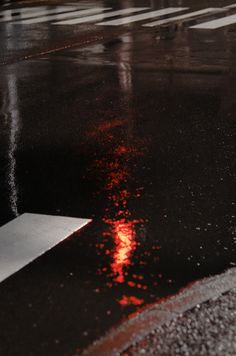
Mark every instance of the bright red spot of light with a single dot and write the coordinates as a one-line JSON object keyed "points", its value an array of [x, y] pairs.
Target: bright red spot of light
{"points": [[130, 300], [125, 244]]}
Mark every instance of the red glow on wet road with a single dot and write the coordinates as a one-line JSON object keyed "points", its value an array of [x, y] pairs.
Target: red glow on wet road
{"points": [[122, 228], [130, 300], [106, 126], [125, 244], [118, 183]]}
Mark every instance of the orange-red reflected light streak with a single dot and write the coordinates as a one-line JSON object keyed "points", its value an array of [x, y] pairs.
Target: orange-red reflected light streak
{"points": [[124, 236], [130, 300]]}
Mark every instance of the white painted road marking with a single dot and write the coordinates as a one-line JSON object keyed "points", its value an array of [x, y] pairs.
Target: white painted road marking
{"points": [[33, 12], [30, 235], [101, 16], [147, 15], [63, 16], [230, 6], [22, 10], [75, 15], [183, 17], [214, 24]]}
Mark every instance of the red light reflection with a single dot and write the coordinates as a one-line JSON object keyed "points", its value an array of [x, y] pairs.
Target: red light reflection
{"points": [[106, 126], [122, 226], [118, 181], [125, 244], [130, 300]]}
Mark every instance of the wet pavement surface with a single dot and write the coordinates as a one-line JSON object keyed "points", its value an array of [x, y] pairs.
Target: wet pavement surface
{"points": [[136, 132]]}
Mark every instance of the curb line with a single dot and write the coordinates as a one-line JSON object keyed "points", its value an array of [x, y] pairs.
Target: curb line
{"points": [[120, 338]]}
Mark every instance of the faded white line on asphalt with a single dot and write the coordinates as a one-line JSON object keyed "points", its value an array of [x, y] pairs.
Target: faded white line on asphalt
{"points": [[151, 317], [183, 17], [101, 16], [29, 236], [20, 14], [147, 15], [214, 24], [230, 6], [21, 10], [63, 16]]}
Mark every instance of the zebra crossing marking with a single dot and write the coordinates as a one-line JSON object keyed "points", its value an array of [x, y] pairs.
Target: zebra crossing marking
{"points": [[147, 15], [94, 18], [75, 15], [215, 24], [28, 236], [12, 15], [183, 17], [63, 16], [230, 6], [22, 10]]}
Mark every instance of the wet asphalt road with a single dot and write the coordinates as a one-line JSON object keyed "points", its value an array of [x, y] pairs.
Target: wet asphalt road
{"points": [[136, 131]]}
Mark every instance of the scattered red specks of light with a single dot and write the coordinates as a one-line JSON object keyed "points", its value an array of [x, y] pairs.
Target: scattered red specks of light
{"points": [[106, 126], [121, 150], [115, 170], [136, 276], [130, 300], [131, 284], [156, 248]]}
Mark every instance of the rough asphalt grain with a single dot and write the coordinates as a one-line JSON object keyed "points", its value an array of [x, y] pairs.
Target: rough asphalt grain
{"points": [[208, 329]]}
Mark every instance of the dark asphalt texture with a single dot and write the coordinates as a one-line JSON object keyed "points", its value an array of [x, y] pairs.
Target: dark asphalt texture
{"points": [[208, 329], [137, 132]]}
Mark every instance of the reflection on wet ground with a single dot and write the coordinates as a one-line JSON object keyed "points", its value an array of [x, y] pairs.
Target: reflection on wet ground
{"points": [[149, 153], [13, 116], [115, 170]]}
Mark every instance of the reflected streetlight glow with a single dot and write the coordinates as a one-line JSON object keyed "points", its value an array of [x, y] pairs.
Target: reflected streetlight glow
{"points": [[124, 237]]}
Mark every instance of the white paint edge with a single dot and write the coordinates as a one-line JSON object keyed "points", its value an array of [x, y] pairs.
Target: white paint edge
{"points": [[99, 17], [23, 15], [147, 15], [60, 16], [187, 17], [29, 236], [215, 24]]}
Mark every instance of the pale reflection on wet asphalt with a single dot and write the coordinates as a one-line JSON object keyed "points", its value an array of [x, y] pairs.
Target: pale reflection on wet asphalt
{"points": [[139, 134]]}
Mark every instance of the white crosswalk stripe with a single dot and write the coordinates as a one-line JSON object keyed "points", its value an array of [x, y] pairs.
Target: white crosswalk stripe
{"points": [[57, 17], [147, 15], [13, 15], [101, 16], [29, 236], [214, 24], [73, 14], [183, 17], [22, 10], [230, 6]]}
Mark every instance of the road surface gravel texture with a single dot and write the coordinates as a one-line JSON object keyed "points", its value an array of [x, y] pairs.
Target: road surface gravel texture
{"points": [[208, 329]]}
